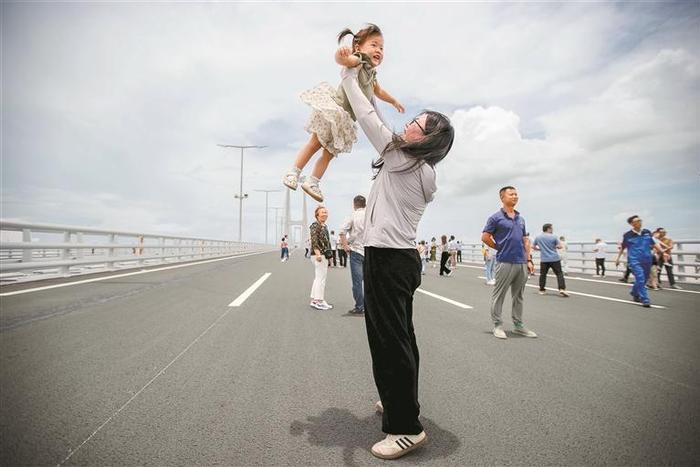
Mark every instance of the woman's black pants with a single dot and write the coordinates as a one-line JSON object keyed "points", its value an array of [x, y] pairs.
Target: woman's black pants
{"points": [[444, 258], [391, 276]]}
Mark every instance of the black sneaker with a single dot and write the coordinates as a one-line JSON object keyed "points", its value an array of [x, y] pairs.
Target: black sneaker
{"points": [[622, 279]]}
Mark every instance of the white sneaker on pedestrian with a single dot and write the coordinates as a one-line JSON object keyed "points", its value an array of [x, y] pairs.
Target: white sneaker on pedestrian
{"points": [[523, 331], [499, 332], [395, 446], [491, 282], [542, 292], [310, 186], [291, 179], [563, 293], [317, 305], [327, 305], [378, 407], [676, 287]]}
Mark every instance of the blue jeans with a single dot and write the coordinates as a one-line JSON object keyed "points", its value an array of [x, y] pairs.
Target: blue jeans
{"points": [[641, 274], [357, 262], [491, 268]]}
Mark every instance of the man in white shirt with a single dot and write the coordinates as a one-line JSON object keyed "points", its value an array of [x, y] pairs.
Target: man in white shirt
{"points": [[334, 249], [600, 250], [351, 240]]}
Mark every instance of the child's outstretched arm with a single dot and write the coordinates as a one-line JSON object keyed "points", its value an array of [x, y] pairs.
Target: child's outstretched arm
{"points": [[344, 57], [388, 98]]}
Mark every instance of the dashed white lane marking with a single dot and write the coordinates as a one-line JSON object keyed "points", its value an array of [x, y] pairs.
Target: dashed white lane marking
{"points": [[244, 295], [445, 299], [115, 276], [249, 291], [611, 299]]}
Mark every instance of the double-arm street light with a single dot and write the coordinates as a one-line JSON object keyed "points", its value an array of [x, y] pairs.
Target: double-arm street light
{"points": [[267, 192], [276, 209], [240, 194]]}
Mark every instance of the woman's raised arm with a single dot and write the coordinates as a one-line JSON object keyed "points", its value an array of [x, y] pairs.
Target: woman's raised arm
{"points": [[377, 132]]}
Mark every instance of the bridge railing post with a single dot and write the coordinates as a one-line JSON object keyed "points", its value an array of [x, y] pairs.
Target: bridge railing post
{"points": [[65, 254], [680, 256], [110, 252], [27, 238]]}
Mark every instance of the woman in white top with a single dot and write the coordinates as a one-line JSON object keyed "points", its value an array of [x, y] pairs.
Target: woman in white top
{"points": [[404, 184]]}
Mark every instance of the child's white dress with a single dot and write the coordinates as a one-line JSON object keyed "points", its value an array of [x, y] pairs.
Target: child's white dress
{"points": [[332, 119]]}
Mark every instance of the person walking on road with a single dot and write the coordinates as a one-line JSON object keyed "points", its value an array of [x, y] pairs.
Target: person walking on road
{"points": [[351, 242], [321, 247], [547, 244], [284, 247], [489, 264], [433, 252], [505, 231], [404, 183], [564, 255], [334, 250], [639, 243], [452, 249], [444, 257], [666, 260], [600, 249]]}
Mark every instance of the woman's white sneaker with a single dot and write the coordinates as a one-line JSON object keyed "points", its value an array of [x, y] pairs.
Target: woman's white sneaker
{"points": [[395, 446]]}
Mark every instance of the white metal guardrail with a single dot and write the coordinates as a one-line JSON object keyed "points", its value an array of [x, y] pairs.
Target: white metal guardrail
{"points": [[580, 258], [30, 251]]}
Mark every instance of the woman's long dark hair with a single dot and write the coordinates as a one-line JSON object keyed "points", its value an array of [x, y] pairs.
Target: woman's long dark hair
{"points": [[439, 136]]}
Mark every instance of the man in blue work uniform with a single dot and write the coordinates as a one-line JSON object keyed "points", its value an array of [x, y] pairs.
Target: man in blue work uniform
{"points": [[638, 242]]}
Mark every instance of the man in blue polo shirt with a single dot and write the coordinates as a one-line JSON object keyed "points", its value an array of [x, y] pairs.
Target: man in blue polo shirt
{"points": [[505, 231], [638, 242]]}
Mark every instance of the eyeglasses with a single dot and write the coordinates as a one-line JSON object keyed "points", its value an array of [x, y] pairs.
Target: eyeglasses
{"points": [[415, 120]]}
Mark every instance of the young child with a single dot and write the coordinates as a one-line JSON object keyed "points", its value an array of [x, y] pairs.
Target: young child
{"points": [[332, 122]]}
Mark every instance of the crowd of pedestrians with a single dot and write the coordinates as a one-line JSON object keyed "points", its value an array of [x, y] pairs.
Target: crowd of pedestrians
{"points": [[387, 260]]}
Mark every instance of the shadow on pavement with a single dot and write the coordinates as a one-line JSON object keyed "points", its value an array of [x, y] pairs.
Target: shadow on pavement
{"points": [[340, 427]]}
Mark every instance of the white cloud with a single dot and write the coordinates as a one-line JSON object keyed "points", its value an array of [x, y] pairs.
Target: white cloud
{"points": [[129, 100], [490, 152]]}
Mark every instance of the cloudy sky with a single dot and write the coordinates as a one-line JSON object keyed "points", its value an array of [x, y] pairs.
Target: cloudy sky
{"points": [[111, 112]]}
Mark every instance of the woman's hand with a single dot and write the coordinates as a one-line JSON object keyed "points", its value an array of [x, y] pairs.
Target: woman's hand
{"points": [[397, 105], [319, 258]]}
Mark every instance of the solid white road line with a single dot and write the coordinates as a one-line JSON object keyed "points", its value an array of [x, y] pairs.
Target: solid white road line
{"points": [[611, 299], [615, 282], [595, 296], [111, 417], [249, 291], [625, 284], [115, 276], [445, 299]]}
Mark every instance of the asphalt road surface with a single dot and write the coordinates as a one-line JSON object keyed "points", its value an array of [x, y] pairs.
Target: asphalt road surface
{"points": [[157, 369]]}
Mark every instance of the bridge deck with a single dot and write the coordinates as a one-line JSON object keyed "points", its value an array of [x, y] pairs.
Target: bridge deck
{"points": [[157, 368]]}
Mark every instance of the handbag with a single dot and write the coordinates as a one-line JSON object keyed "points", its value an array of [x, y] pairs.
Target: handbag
{"points": [[328, 254]]}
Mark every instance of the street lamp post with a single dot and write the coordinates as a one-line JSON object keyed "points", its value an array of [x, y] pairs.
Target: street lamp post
{"points": [[276, 209], [267, 192], [240, 194]]}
